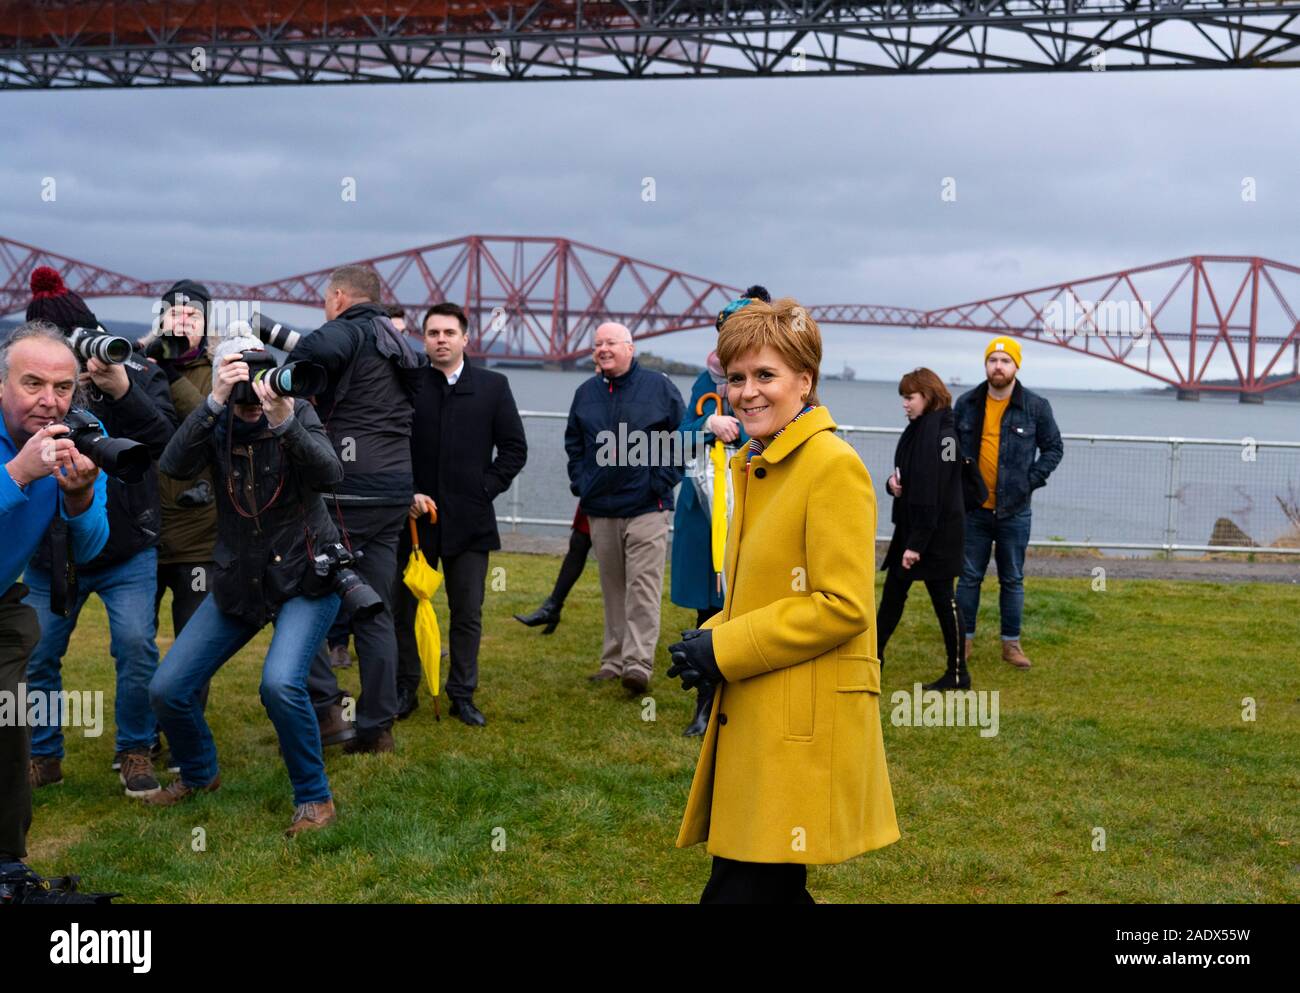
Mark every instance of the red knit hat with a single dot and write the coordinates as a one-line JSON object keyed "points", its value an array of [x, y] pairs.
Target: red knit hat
{"points": [[52, 301]]}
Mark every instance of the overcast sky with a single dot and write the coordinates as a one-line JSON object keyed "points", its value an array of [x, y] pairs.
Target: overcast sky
{"points": [[825, 189]]}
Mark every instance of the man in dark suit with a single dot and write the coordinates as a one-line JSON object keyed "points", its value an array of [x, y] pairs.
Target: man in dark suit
{"points": [[462, 413]]}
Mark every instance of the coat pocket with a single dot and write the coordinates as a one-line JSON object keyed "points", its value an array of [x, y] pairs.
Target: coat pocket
{"points": [[857, 674], [800, 691]]}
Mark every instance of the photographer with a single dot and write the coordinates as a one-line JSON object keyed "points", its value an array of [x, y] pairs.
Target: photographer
{"points": [[189, 511], [45, 478], [132, 401], [269, 455], [367, 409]]}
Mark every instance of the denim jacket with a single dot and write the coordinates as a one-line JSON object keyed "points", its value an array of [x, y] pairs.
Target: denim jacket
{"points": [[1030, 446]]}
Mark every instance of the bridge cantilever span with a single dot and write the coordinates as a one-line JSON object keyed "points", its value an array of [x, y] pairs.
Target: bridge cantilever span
{"points": [[1185, 322], [144, 43]]}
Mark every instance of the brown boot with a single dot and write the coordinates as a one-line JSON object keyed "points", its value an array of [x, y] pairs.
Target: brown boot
{"points": [[44, 770], [176, 791], [383, 742], [635, 680], [311, 817], [602, 676], [970, 647], [1011, 653], [334, 729]]}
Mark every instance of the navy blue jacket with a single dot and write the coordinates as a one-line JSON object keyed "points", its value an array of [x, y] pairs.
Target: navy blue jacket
{"points": [[641, 401], [1029, 449]]}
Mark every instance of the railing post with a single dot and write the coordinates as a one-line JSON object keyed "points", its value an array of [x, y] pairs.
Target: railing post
{"points": [[514, 503], [1171, 521]]}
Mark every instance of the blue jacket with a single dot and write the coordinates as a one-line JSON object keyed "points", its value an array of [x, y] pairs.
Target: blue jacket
{"points": [[25, 516], [1029, 449], [604, 415], [692, 575]]}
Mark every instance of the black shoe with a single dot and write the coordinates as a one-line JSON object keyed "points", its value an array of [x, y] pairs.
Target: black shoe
{"points": [[407, 702], [548, 613], [954, 679], [467, 712]]}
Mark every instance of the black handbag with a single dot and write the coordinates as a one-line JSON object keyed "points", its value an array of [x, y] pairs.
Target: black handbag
{"points": [[974, 490]]}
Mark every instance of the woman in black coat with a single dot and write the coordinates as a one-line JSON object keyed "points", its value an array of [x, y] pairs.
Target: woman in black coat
{"points": [[929, 520]]}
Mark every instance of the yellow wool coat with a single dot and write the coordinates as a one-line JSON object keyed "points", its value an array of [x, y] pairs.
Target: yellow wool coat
{"points": [[792, 767]]}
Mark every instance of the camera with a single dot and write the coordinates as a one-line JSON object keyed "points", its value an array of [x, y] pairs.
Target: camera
{"points": [[167, 347], [274, 333], [96, 343], [332, 573], [119, 457], [293, 379]]}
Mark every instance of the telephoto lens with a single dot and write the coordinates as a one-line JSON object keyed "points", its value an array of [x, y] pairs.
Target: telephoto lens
{"points": [[274, 333], [96, 343], [296, 379], [121, 458]]}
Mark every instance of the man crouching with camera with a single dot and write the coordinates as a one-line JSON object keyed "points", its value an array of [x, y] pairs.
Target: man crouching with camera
{"points": [[269, 456]]}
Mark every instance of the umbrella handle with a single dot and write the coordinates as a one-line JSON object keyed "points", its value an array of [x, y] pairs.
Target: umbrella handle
{"points": [[415, 534], [699, 404]]}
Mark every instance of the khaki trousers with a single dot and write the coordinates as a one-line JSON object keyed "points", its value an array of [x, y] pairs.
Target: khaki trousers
{"points": [[631, 553]]}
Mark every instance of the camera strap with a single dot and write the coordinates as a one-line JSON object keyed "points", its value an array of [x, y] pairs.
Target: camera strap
{"points": [[63, 573]]}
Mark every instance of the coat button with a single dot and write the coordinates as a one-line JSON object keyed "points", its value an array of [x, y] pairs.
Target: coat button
{"points": [[760, 472], [722, 718]]}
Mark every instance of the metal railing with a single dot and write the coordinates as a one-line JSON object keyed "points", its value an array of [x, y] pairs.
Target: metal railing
{"points": [[1118, 492]]}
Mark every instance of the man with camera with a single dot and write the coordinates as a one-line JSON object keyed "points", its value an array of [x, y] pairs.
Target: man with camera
{"points": [[372, 374], [130, 398], [269, 457], [46, 481], [181, 350]]}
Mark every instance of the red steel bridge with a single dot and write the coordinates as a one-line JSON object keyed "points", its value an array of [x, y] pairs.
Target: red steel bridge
{"points": [[1185, 322], [62, 44]]}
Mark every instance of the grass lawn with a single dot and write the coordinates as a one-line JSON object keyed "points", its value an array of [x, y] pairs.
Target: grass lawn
{"points": [[1130, 722]]}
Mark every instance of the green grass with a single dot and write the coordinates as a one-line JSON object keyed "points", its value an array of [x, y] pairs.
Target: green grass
{"points": [[1129, 721]]}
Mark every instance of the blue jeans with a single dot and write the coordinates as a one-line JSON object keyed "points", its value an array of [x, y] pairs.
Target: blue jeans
{"points": [[127, 590], [984, 530], [204, 646]]}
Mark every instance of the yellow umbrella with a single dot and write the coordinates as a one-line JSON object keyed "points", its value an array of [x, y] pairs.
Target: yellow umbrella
{"points": [[718, 512], [423, 581]]}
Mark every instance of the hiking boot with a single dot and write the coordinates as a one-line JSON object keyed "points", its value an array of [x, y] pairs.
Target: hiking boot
{"points": [[340, 657], [382, 742], [602, 676], [136, 773], [176, 791], [1012, 653], [334, 729], [311, 817], [44, 770]]}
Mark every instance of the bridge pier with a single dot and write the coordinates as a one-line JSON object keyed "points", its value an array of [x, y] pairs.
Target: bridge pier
{"points": [[1187, 394], [1244, 397]]}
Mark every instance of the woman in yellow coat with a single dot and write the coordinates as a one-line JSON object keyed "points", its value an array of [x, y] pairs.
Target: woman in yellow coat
{"points": [[792, 768]]}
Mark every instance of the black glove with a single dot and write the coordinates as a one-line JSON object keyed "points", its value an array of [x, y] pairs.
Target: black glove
{"points": [[693, 660]]}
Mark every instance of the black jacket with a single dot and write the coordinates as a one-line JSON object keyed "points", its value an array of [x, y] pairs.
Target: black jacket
{"points": [[452, 438], [930, 516], [366, 409], [145, 414], [639, 400], [1029, 449], [260, 560]]}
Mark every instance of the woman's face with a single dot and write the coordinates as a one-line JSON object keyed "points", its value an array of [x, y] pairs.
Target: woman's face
{"points": [[913, 405], [765, 392]]}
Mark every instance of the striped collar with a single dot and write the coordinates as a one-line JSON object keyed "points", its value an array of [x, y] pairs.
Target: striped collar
{"points": [[756, 445]]}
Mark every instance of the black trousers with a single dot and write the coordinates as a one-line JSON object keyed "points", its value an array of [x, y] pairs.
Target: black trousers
{"points": [[463, 577], [182, 578], [575, 560], [375, 531], [20, 630], [944, 601], [756, 882]]}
